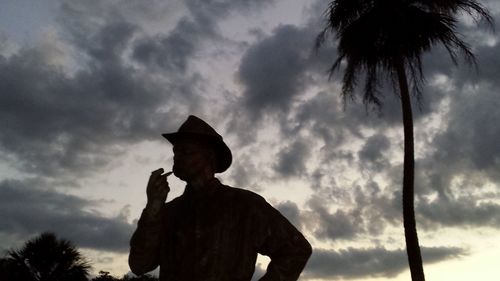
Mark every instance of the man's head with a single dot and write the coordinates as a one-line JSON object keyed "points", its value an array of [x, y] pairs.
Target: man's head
{"points": [[197, 145], [194, 159]]}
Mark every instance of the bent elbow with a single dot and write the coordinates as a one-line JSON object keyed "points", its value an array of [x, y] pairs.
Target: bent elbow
{"points": [[138, 266], [307, 250]]}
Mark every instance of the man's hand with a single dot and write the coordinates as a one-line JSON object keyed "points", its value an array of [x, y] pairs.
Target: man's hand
{"points": [[157, 189]]}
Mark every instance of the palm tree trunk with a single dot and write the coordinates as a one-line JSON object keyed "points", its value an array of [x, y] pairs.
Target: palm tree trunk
{"points": [[412, 246]]}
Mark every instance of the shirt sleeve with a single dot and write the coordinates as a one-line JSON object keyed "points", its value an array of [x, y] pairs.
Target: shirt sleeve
{"points": [[145, 242], [283, 243]]}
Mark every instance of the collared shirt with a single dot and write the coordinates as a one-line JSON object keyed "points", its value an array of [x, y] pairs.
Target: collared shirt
{"points": [[214, 234]]}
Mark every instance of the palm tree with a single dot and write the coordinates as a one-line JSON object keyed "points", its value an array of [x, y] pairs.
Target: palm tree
{"points": [[388, 37], [45, 258]]}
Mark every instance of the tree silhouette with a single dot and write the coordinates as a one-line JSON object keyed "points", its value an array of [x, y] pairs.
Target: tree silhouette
{"points": [[45, 258], [104, 276], [144, 277], [386, 38]]}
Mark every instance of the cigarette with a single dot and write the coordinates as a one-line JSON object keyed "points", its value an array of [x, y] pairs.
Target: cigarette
{"points": [[169, 173]]}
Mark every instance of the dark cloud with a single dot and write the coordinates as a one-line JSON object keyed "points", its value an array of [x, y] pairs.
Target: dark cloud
{"points": [[459, 212], [291, 211], [324, 117], [354, 211], [75, 119], [242, 172], [469, 144], [277, 72], [337, 225], [378, 207], [376, 262], [211, 9], [273, 71], [171, 52], [247, 170], [488, 63], [463, 160], [292, 159], [64, 119], [372, 153], [53, 122], [94, 11], [27, 210]]}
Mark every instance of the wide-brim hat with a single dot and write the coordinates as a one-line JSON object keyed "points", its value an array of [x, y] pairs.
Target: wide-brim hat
{"points": [[196, 129]]}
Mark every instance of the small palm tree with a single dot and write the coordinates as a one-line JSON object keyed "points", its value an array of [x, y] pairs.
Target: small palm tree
{"points": [[388, 37], [45, 258]]}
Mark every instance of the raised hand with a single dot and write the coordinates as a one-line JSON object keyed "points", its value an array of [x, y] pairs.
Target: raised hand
{"points": [[157, 189]]}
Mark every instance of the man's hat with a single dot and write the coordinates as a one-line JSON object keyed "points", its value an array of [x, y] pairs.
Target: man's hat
{"points": [[196, 129]]}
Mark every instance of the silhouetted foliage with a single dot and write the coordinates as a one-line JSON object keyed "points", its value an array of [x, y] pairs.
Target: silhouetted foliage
{"points": [[45, 258], [104, 276], [3, 269], [374, 36], [386, 38], [145, 277]]}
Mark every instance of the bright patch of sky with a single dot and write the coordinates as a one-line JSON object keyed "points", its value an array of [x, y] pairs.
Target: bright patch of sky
{"points": [[24, 20]]}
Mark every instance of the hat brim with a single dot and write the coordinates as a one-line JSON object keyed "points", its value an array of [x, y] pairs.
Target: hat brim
{"points": [[223, 153]]}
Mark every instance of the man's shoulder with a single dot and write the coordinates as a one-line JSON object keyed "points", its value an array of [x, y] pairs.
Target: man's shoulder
{"points": [[242, 194]]}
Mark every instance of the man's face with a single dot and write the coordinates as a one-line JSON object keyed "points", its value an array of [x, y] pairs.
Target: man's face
{"points": [[191, 159]]}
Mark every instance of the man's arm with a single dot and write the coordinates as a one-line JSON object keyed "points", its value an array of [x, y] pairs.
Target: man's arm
{"points": [[146, 241], [283, 243]]}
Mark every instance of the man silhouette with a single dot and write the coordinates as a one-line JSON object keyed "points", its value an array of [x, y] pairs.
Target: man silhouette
{"points": [[212, 232]]}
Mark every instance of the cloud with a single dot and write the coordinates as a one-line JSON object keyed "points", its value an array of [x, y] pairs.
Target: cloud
{"points": [[77, 116], [169, 52], [53, 123], [172, 51], [325, 117], [340, 224], [375, 262], [465, 160], [291, 211], [93, 11], [459, 212], [215, 9], [59, 120], [372, 153], [27, 209], [470, 139], [292, 159], [355, 211], [273, 71]]}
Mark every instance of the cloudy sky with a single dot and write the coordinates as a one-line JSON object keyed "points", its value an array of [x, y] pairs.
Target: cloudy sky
{"points": [[87, 87]]}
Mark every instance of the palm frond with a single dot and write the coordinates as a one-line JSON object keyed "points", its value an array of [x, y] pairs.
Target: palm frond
{"points": [[372, 35]]}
